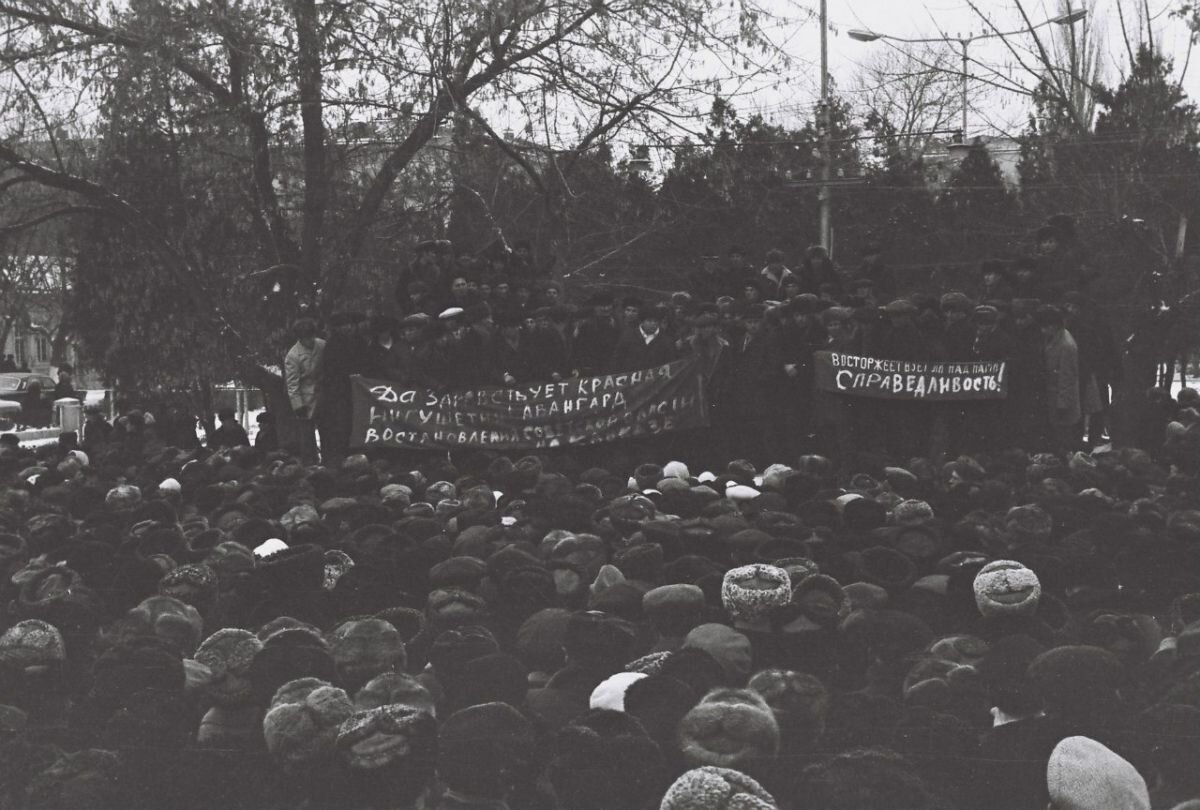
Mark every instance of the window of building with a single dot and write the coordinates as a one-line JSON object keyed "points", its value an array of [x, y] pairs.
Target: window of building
{"points": [[41, 349], [21, 346]]}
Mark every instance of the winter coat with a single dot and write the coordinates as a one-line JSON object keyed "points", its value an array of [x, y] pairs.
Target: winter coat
{"points": [[1062, 379], [595, 342], [302, 371], [633, 352]]}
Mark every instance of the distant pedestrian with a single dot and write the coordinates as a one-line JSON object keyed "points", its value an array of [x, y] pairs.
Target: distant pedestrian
{"points": [[302, 372]]}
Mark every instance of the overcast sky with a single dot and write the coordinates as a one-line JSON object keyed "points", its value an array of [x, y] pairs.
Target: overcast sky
{"points": [[788, 98]]}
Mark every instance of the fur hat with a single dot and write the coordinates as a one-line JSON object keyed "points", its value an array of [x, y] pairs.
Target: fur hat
{"points": [[132, 664], [659, 702], [1082, 774], [379, 736], [450, 607], [123, 497], [728, 728], [598, 640], [301, 726], [482, 747], [287, 654], [886, 568], [453, 649], [1007, 588], [32, 643], [912, 512], [87, 778], [395, 688], [1077, 681], [1003, 668], [194, 584], [821, 599], [229, 653], [751, 592], [798, 700], [729, 648], [492, 678], [171, 619], [236, 727], [710, 788], [1029, 523], [604, 760], [364, 648]]}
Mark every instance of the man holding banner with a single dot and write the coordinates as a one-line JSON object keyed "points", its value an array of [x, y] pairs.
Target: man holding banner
{"points": [[907, 425]]}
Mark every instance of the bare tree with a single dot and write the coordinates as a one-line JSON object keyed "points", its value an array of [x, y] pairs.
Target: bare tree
{"points": [[1062, 66], [270, 87], [910, 93]]}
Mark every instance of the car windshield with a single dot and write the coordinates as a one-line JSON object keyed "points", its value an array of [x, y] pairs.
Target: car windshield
{"points": [[9, 383]]}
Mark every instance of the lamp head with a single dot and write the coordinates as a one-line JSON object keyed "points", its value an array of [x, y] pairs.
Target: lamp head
{"points": [[863, 36], [1071, 17]]}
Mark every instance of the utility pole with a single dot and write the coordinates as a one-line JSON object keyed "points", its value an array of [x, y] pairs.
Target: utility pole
{"points": [[826, 117], [963, 88]]}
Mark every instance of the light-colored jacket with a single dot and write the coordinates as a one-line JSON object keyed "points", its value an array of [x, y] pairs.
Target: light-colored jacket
{"points": [[1062, 379], [302, 370]]}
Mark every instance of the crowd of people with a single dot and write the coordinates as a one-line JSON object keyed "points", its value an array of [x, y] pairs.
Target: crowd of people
{"points": [[461, 323], [237, 626], [234, 628]]}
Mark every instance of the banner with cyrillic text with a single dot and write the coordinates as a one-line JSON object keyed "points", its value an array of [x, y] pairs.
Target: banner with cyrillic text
{"points": [[576, 411], [863, 376]]}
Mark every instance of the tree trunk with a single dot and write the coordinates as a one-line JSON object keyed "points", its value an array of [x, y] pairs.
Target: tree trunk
{"points": [[275, 396], [316, 183]]}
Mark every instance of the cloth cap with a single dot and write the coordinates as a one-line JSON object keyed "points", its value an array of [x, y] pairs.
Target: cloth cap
{"points": [[729, 648], [610, 693], [1083, 774]]}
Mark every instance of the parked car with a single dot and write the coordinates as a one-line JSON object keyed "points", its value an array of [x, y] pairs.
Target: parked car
{"points": [[36, 405], [10, 414]]}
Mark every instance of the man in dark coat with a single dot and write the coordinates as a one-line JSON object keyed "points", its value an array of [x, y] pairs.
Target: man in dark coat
{"points": [[229, 433], [747, 387], [790, 380], [452, 358], [382, 358], [596, 338], [874, 270], [1026, 379], [957, 338], [991, 422], [709, 447], [648, 345], [546, 353], [907, 423], [345, 355], [837, 417], [65, 386], [705, 282], [1099, 361], [817, 270]]}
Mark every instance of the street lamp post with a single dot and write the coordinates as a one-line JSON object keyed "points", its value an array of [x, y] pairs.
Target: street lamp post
{"points": [[1070, 18], [825, 196]]}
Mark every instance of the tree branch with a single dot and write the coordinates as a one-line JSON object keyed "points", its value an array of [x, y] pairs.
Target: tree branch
{"points": [[65, 211]]}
